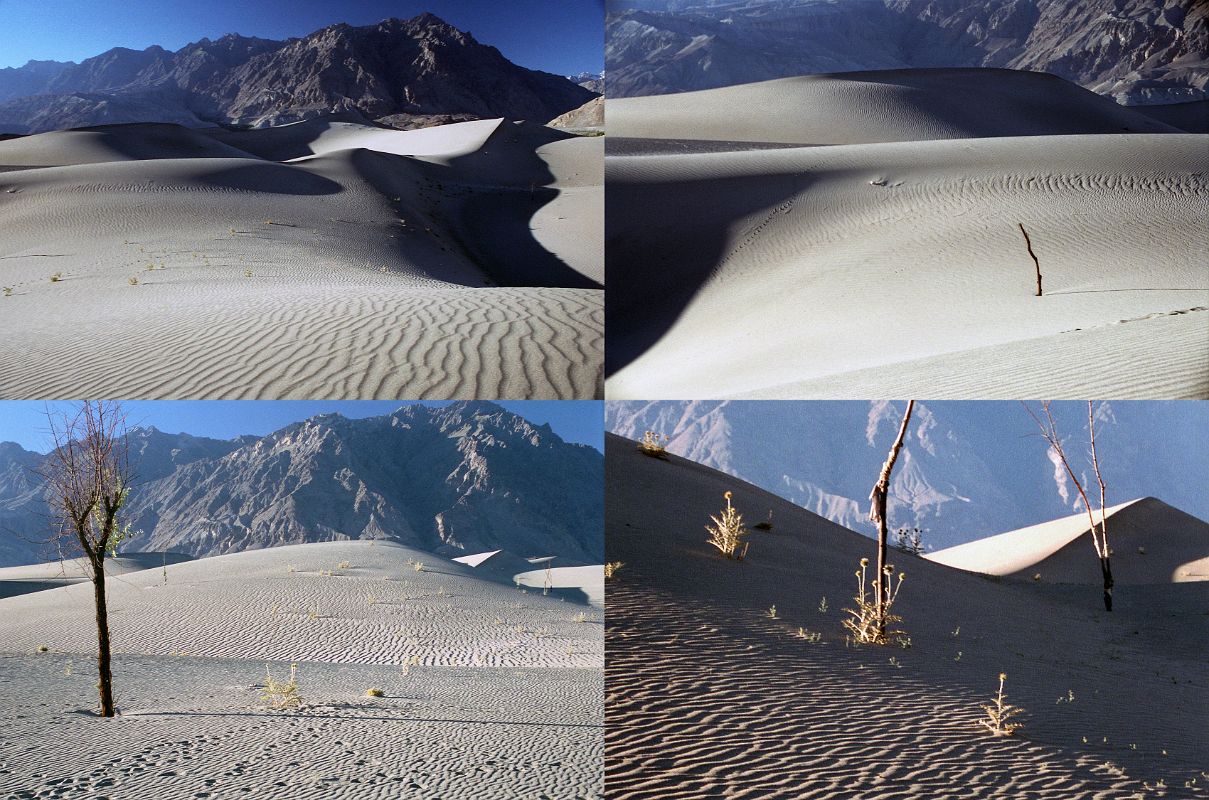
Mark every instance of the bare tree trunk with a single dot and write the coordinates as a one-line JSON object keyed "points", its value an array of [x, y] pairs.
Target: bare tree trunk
{"points": [[1036, 264], [1102, 549], [877, 514], [1099, 540], [104, 671]]}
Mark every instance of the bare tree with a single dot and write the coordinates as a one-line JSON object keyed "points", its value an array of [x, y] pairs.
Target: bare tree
{"points": [[877, 513], [1036, 264], [1099, 536], [88, 478]]}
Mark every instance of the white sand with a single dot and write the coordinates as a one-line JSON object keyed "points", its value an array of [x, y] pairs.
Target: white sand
{"points": [[489, 690], [1151, 542], [589, 580], [837, 270], [892, 256], [76, 569], [878, 106], [707, 696], [446, 262]]}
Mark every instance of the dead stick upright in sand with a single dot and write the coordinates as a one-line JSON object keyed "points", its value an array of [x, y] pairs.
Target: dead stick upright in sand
{"points": [[877, 513], [1036, 264]]}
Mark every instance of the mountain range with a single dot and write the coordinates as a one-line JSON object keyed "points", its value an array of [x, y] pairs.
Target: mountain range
{"points": [[395, 71], [464, 478], [967, 470], [1137, 51], [592, 81]]}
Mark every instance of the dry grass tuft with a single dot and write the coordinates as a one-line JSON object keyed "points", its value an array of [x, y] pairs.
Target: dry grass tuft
{"points": [[281, 694], [811, 636], [374, 692], [653, 445], [612, 568]]}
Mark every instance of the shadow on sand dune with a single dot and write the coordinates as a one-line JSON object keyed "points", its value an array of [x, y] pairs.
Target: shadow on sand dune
{"points": [[487, 198], [270, 178], [656, 263], [509, 183]]}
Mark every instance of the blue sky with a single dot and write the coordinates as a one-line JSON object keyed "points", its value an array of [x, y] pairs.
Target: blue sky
{"points": [[559, 36], [24, 422]]}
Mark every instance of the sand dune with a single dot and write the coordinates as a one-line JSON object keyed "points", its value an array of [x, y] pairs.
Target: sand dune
{"points": [[488, 691], [588, 580], [252, 605], [52, 574], [582, 583], [323, 259], [879, 106], [709, 696], [1151, 543], [1192, 117], [76, 569], [853, 270], [1115, 360]]}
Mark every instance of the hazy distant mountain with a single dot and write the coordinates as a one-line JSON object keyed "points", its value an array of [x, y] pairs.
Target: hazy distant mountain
{"points": [[968, 470], [1137, 51], [592, 81], [33, 78], [421, 66], [465, 478]]}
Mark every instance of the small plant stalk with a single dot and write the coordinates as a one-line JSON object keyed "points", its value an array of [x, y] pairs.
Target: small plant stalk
{"points": [[1000, 713]]}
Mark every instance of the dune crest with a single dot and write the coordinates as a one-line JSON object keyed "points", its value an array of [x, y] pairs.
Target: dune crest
{"points": [[1151, 542]]}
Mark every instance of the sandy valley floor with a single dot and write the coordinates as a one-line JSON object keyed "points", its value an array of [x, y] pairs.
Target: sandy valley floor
{"points": [[489, 691], [320, 259]]}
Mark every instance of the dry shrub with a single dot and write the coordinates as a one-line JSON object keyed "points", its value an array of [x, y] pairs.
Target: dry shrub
{"points": [[281, 694], [653, 445], [868, 623], [727, 533]]}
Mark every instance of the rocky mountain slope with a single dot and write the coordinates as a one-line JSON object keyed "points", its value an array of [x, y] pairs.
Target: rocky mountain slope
{"points": [[968, 470], [1136, 51], [463, 478], [589, 115], [418, 67]]}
